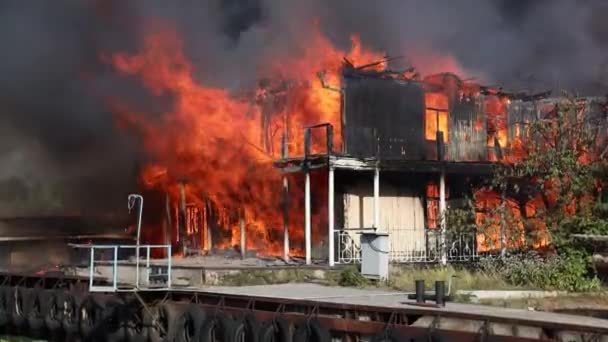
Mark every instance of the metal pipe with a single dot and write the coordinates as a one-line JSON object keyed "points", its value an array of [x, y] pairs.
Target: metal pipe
{"points": [[115, 269], [330, 215], [419, 291], [376, 222], [92, 267], [440, 292], [132, 199], [307, 218]]}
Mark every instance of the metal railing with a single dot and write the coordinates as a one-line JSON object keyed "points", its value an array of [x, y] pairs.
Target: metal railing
{"points": [[157, 275], [414, 246]]}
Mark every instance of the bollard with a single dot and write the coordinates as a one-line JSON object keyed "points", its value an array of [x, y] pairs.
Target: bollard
{"points": [[419, 291], [440, 292]]}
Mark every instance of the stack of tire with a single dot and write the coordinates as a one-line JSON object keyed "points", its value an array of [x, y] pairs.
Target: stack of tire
{"points": [[60, 315]]}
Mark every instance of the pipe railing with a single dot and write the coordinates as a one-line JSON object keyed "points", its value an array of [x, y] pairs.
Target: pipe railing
{"points": [[115, 282]]}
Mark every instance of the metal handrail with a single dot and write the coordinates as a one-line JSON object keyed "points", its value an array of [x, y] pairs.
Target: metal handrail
{"points": [[114, 263]]}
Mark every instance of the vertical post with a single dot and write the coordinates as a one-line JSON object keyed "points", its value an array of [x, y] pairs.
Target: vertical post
{"points": [[440, 292], [243, 235], [168, 231], [330, 214], [307, 237], [169, 262], [419, 291], [442, 223], [285, 219], [330, 139], [209, 230], [115, 268], [376, 222], [132, 199], [147, 280], [307, 218], [182, 218], [92, 267], [503, 223], [284, 154]]}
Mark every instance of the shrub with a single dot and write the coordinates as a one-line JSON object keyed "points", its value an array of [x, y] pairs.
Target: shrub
{"points": [[568, 271], [351, 276]]}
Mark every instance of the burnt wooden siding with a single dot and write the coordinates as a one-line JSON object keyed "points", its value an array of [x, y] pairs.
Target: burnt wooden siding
{"points": [[384, 117]]}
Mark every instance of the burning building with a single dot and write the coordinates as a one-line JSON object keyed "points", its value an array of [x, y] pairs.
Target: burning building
{"points": [[228, 123]]}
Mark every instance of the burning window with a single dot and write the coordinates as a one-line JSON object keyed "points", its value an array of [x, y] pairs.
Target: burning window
{"points": [[436, 116], [496, 113]]}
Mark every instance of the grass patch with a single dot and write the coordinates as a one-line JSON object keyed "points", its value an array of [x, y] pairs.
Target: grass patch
{"points": [[266, 277], [403, 278], [598, 301]]}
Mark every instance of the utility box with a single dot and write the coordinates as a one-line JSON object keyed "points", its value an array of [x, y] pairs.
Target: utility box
{"points": [[374, 255]]}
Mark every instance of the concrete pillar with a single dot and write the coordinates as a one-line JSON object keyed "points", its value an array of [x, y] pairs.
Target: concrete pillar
{"points": [[330, 215], [376, 223], [307, 237]]}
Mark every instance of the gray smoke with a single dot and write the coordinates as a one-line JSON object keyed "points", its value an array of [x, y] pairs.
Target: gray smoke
{"points": [[59, 147]]}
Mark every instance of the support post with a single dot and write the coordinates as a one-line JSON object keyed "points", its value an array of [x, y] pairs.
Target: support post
{"points": [[503, 223], [284, 155], [169, 221], [182, 218], [330, 215], [208, 210], [376, 222], [132, 199], [285, 219], [442, 212], [243, 234], [307, 218]]}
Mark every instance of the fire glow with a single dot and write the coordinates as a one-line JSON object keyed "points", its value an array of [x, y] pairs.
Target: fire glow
{"points": [[210, 141], [211, 153]]}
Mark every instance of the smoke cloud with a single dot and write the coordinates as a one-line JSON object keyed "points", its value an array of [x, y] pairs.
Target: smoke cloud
{"points": [[59, 145]]}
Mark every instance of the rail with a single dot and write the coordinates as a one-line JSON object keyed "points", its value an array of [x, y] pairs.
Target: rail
{"points": [[157, 275]]}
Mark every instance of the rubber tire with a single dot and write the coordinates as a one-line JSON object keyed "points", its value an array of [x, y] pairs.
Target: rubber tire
{"points": [[33, 312], [188, 325], [69, 304], [99, 315], [51, 310], [4, 313], [115, 319], [277, 330], [15, 298], [251, 327], [222, 324], [166, 315], [135, 327], [312, 331]]}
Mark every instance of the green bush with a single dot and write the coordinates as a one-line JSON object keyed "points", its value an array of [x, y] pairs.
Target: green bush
{"points": [[351, 276], [568, 271]]}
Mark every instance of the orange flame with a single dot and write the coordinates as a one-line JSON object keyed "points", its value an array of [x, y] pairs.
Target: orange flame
{"points": [[211, 141]]}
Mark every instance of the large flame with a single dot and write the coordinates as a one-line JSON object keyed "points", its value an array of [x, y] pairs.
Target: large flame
{"points": [[215, 143]]}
